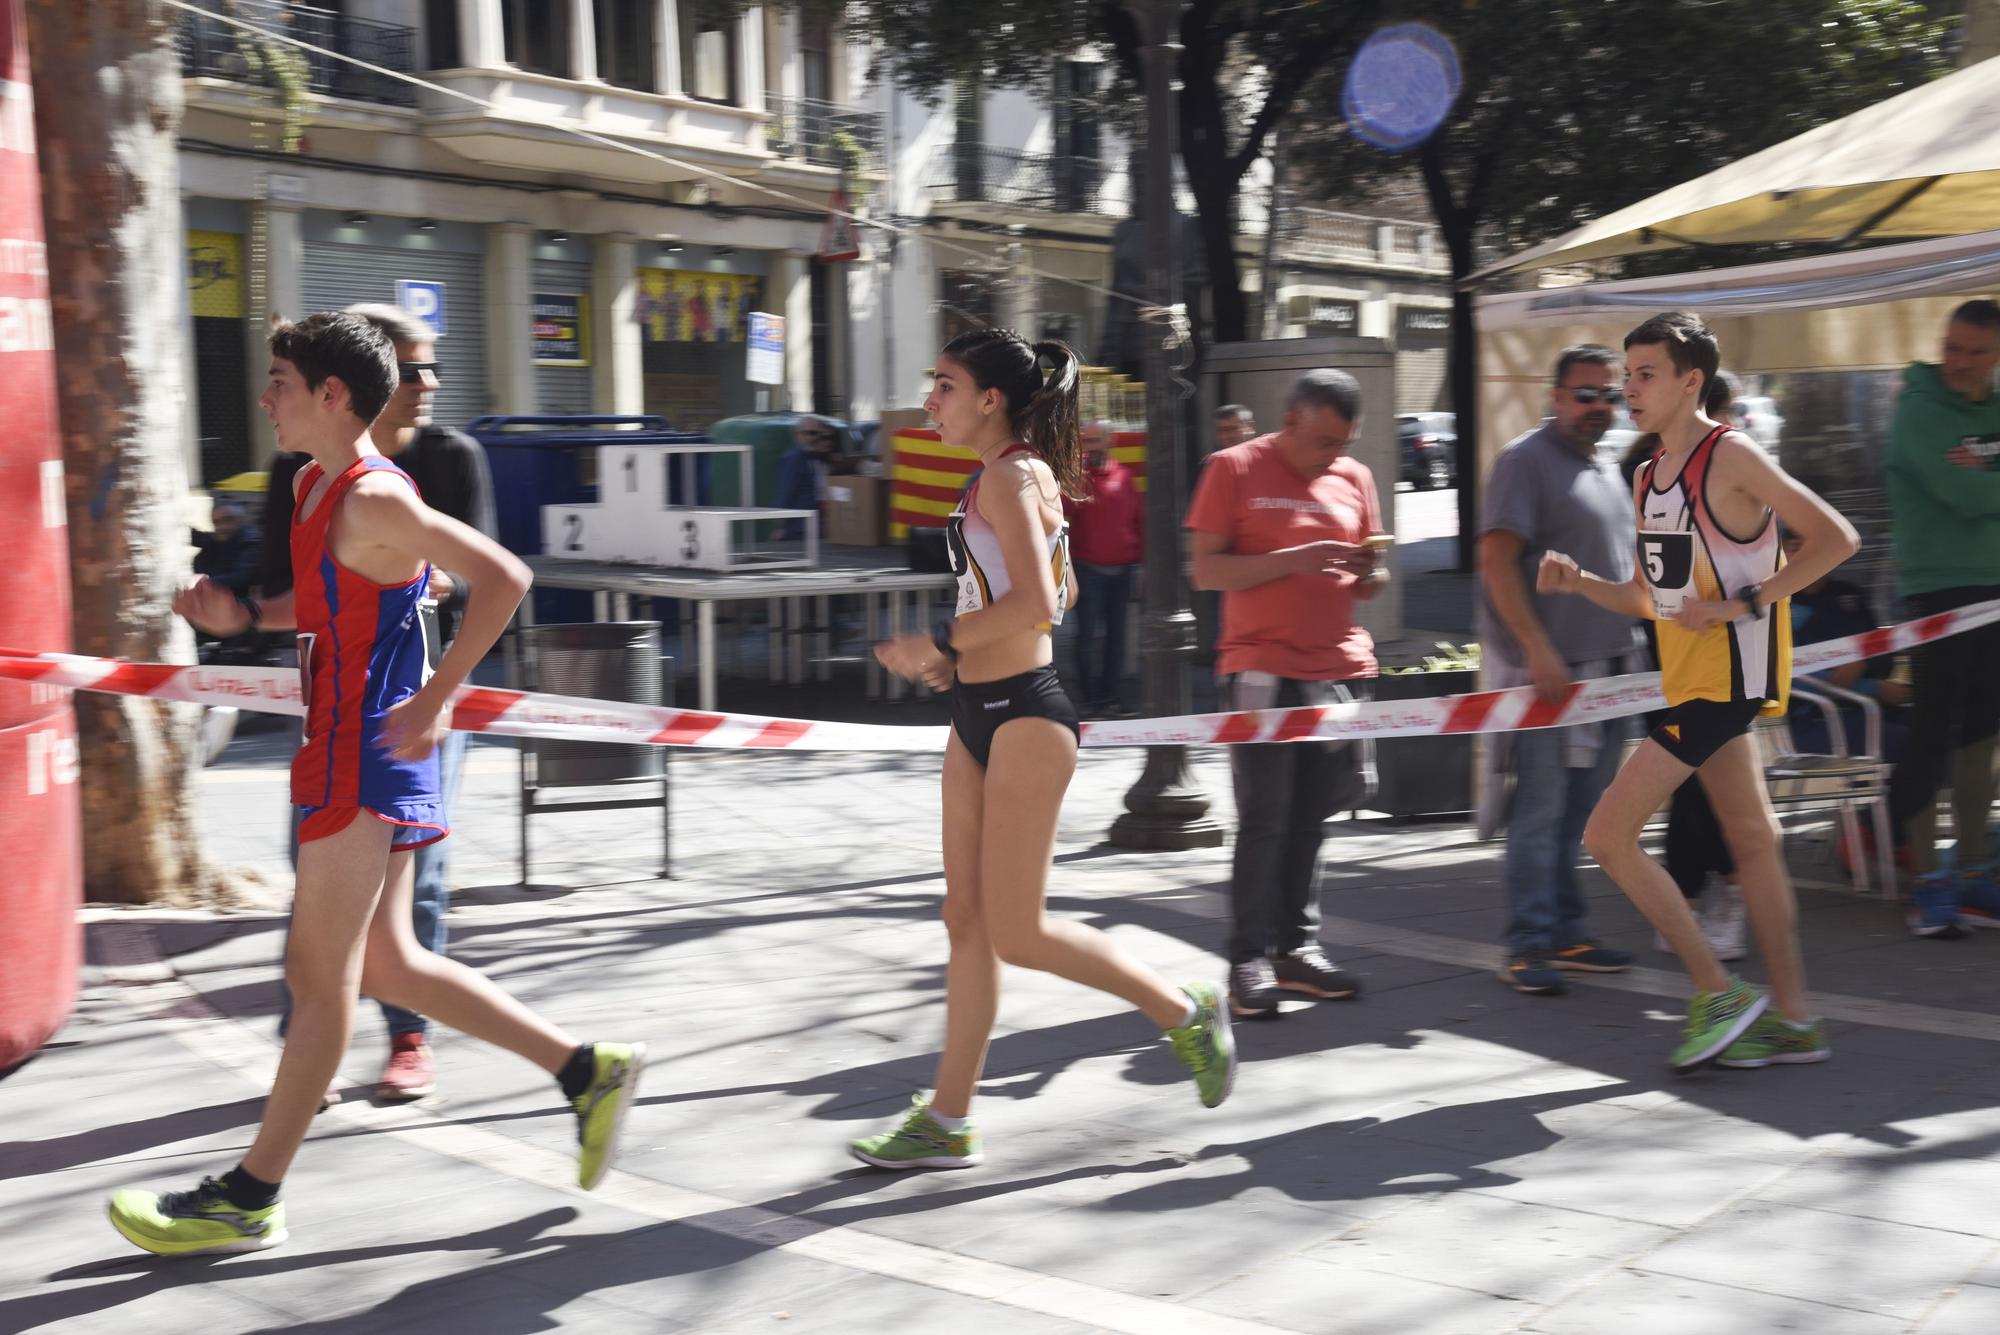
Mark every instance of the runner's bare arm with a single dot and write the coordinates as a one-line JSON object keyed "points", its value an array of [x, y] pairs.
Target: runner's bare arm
{"points": [[391, 517], [1827, 539], [215, 608], [1559, 574]]}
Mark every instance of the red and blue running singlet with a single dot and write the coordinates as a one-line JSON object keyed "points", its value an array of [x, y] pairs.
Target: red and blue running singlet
{"points": [[361, 651]]}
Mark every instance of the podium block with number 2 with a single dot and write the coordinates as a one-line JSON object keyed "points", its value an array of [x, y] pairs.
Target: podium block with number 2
{"points": [[633, 522]]}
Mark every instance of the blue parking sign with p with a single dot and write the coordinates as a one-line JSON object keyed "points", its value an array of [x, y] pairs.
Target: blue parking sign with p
{"points": [[423, 299]]}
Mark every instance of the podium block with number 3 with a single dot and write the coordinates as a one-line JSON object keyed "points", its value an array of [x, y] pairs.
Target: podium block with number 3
{"points": [[634, 522]]}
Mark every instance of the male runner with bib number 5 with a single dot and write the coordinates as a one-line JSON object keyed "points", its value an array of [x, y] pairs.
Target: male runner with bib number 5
{"points": [[1712, 573]]}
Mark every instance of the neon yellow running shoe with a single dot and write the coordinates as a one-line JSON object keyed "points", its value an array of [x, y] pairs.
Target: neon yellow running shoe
{"points": [[1774, 1041], [1715, 1020], [600, 1109], [202, 1222], [1206, 1045], [920, 1142]]}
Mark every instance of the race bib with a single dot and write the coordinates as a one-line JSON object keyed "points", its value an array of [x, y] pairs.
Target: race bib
{"points": [[1668, 560]]}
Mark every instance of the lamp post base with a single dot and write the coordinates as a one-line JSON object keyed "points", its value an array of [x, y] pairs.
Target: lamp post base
{"points": [[1166, 810]]}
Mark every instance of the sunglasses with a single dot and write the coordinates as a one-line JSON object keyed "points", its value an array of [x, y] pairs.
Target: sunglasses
{"points": [[1589, 394], [412, 373]]}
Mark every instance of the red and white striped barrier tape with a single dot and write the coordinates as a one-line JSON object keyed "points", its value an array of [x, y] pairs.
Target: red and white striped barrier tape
{"points": [[505, 713]]}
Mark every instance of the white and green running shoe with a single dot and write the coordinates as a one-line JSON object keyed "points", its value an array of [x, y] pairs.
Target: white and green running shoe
{"points": [[1715, 1020], [202, 1222], [1205, 1044], [1775, 1041], [601, 1108], [920, 1142]]}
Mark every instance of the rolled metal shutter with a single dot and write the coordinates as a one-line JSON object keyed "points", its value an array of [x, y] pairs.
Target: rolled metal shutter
{"points": [[338, 275], [1423, 377], [563, 389]]}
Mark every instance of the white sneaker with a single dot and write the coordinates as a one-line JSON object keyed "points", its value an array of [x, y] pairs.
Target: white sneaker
{"points": [[1722, 921]]}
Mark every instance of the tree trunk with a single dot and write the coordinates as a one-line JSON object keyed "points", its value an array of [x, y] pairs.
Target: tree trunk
{"points": [[107, 107]]}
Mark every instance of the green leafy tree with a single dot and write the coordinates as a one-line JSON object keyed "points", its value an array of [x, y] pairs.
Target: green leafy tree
{"points": [[1573, 108]]}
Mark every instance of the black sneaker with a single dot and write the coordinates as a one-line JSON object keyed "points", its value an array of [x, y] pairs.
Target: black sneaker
{"points": [[1253, 989], [1308, 970], [1534, 975], [1589, 957]]}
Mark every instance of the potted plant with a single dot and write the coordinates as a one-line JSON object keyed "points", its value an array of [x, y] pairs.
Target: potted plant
{"points": [[1427, 776]]}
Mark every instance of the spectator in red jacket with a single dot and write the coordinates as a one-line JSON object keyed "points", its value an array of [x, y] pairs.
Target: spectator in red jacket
{"points": [[1107, 542]]}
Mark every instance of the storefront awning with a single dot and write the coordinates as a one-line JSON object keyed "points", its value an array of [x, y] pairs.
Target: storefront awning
{"points": [[1923, 164], [1951, 266]]}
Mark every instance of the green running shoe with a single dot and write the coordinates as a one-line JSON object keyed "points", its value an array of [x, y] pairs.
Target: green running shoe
{"points": [[1774, 1041], [201, 1222], [1715, 1020], [920, 1142], [1205, 1044], [600, 1109]]}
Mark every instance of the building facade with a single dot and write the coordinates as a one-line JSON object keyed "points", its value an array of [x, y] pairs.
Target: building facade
{"points": [[588, 198], [1007, 201], [501, 199]]}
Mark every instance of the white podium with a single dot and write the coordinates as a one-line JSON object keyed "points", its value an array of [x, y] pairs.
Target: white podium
{"points": [[634, 522]]}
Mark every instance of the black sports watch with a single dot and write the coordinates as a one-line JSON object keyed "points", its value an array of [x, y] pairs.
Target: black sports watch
{"points": [[1748, 595], [249, 605], [941, 637]]}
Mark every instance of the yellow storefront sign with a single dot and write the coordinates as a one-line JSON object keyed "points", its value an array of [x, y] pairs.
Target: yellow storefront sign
{"points": [[682, 306], [215, 275]]}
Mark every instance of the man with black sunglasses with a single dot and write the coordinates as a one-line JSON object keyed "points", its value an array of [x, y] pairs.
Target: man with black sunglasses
{"points": [[449, 468], [1549, 492]]}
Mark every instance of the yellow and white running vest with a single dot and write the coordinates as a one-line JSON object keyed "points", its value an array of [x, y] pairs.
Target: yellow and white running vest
{"points": [[1684, 553]]}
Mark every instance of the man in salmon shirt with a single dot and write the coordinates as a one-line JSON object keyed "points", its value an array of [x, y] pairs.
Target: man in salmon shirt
{"points": [[1280, 526]]}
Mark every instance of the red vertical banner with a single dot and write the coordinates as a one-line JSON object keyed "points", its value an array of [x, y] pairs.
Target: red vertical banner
{"points": [[39, 939]]}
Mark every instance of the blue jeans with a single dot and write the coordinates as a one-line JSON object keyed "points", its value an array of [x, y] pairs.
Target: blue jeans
{"points": [[429, 898], [1544, 836], [1104, 593]]}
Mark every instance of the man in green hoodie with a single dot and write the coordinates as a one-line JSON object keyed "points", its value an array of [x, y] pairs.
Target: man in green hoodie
{"points": [[1943, 479]]}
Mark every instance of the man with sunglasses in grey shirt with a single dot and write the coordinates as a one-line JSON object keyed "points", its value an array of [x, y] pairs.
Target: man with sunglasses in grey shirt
{"points": [[1549, 492]]}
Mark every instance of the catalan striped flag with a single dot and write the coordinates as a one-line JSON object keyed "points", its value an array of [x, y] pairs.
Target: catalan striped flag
{"points": [[928, 476]]}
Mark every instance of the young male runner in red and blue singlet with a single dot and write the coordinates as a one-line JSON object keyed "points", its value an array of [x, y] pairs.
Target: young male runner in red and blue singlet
{"points": [[366, 780]]}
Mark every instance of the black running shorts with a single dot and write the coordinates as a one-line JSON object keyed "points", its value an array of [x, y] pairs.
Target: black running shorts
{"points": [[1694, 730], [978, 708]]}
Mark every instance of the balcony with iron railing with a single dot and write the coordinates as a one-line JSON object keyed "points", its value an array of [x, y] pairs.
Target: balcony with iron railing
{"points": [[213, 49], [824, 134], [963, 173], [1309, 234]]}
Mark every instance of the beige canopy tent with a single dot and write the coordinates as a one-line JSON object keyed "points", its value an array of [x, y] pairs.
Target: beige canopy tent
{"points": [[1923, 164], [1868, 310]]}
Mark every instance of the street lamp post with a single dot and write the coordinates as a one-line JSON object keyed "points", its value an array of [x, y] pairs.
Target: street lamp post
{"points": [[1165, 809]]}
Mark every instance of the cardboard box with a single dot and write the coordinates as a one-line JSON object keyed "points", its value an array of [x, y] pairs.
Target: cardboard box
{"points": [[857, 510]]}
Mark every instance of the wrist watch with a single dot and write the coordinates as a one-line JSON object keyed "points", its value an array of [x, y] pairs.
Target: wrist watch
{"points": [[249, 605], [1748, 595], [941, 637]]}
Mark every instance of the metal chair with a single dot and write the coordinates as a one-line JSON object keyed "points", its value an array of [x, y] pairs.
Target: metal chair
{"points": [[1846, 780]]}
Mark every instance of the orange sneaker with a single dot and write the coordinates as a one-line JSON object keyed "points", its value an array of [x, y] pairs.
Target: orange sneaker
{"points": [[410, 1073]]}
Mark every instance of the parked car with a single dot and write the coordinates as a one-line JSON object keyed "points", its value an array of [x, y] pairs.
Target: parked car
{"points": [[1428, 446]]}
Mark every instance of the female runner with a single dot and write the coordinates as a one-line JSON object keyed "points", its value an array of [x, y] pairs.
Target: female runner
{"points": [[1013, 739]]}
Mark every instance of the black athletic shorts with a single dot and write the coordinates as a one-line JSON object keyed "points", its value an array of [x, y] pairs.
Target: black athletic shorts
{"points": [[1694, 730], [978, 708]]}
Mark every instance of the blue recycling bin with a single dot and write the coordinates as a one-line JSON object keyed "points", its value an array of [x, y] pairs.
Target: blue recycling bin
{"points": [[538, 461]]}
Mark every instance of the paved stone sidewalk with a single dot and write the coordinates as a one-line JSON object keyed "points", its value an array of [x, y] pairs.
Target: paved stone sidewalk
{"points": [[1439, 1156]]}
